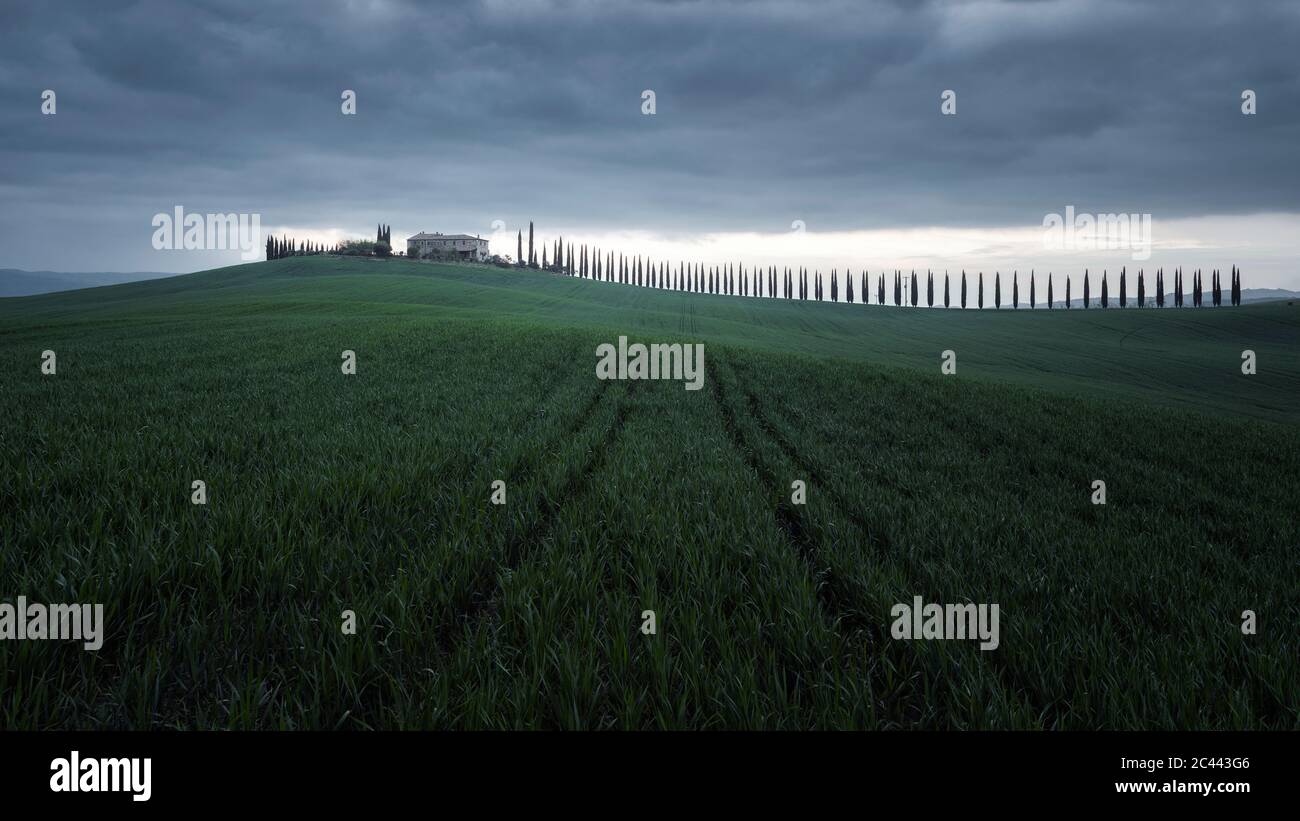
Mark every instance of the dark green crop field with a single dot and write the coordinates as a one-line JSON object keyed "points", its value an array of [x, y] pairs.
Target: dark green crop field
{"points": [[371, 493]]}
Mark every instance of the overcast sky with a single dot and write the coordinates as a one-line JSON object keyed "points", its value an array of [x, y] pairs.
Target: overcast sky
{"points": [[766, 113]]}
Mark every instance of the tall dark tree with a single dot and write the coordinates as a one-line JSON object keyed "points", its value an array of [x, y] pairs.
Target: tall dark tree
{"points": [[963, 289], [929, 289], [1123, 286], [1068, 306], [1050, 305], [914, 286], [997, 290], [981, 291], [945, 290], [532, 259], [1142, 290], [1015, 291], [1105, 295], [1087, 295]]}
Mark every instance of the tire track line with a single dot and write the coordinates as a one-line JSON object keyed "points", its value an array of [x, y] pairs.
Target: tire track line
{"points": [[788, 519], [484, 599]]}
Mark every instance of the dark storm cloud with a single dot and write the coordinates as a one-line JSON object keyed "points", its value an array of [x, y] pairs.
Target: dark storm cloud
{"points": [[767, 112]]}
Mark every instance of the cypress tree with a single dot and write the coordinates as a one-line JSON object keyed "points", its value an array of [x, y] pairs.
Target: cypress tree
{"points": [[1067, 292], [1142, 290], [963, 289], [1087, 297], [1033, 298], [997, 290], [1015, 291], [1105, 296], [1049, 291], [945, 290], [981, 292], [929, 289], [914, 286], [1123, 286]]}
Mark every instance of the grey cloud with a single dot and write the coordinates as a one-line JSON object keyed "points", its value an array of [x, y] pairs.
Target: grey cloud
{"points": [[767, 111]]}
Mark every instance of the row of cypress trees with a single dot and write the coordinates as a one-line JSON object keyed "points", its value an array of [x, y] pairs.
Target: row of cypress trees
{"points": [[591, 263], [278, 248]]}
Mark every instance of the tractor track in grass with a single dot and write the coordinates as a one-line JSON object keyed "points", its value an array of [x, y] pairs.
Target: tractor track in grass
{"points": [[875, 536], [484, 599], [788, 519], [764, 421], [831, 591], [575, 483], [1013, 679]]}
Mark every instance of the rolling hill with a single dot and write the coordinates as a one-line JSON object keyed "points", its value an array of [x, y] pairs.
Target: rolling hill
{"points": [[371, 494]]}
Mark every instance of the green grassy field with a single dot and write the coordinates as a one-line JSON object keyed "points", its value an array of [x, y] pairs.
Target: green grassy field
{"points": [[371, 493]]}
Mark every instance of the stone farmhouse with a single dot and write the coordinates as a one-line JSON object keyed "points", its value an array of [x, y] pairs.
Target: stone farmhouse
{"points": [[458, 246]]}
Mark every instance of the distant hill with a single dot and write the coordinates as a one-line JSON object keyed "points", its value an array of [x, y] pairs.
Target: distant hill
{"points": [[1266, 294], [1247, 295], [14, 282]]}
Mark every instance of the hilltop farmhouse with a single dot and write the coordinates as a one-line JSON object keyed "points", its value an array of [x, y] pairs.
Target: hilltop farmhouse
{"points": [[443, 246]]}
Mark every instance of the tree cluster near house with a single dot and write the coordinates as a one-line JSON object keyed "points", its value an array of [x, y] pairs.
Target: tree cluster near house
{"points": [[280, 247]]}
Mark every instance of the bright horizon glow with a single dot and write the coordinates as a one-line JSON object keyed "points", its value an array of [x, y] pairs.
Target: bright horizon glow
{"points": [[1264, 246]]}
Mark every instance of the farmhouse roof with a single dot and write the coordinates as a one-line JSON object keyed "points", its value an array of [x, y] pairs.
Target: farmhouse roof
{"points": [[423, 235]]}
